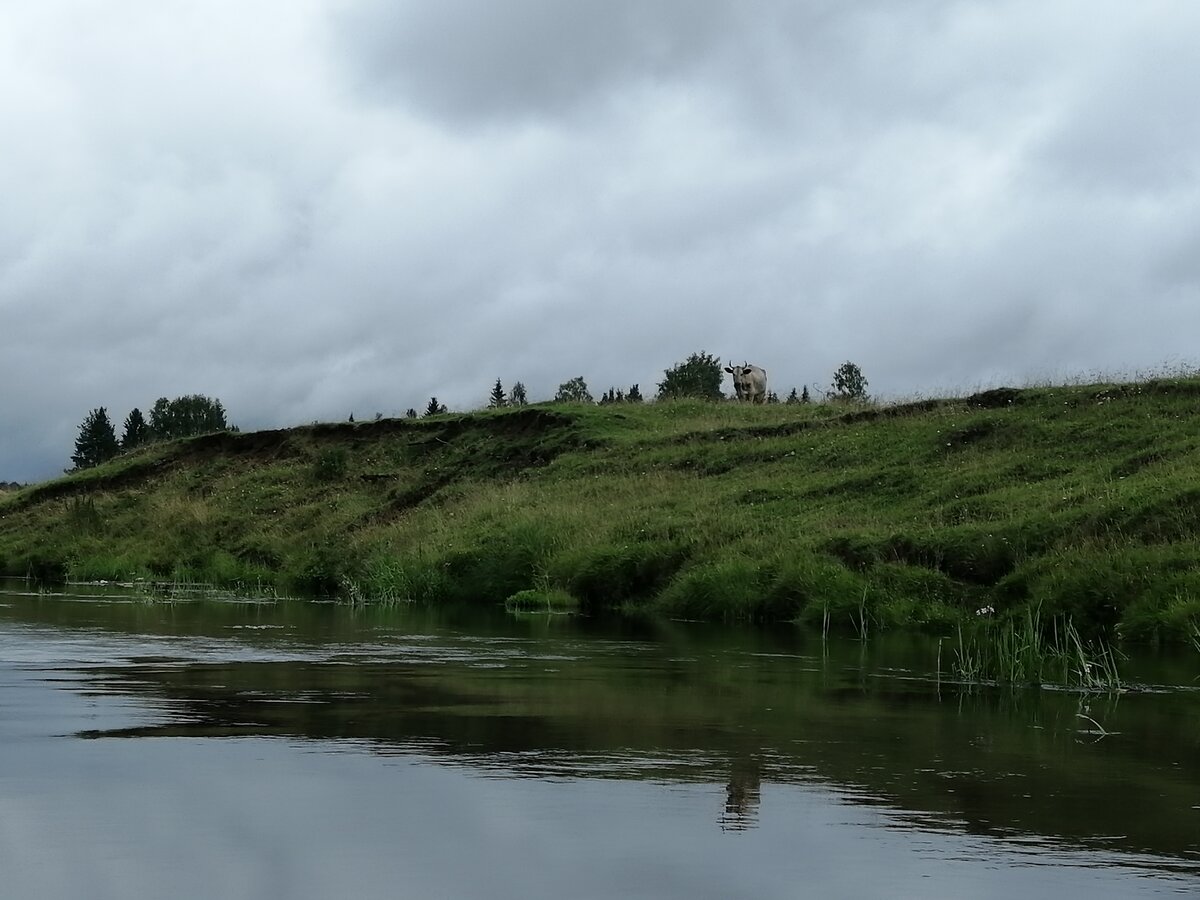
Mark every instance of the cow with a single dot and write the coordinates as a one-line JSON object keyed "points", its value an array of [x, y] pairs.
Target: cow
{"points": [[749, 382]]}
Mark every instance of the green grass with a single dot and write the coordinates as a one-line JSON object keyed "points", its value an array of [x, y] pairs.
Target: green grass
{"points": [[541, 600], [1082, 501], [1025, 651]]}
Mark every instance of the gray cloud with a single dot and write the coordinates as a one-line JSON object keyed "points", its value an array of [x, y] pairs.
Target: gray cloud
{"points": [[529, 57], [348, 207]]}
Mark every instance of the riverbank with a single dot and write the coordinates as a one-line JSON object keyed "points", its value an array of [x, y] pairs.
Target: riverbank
{"points": [[1082, 501]]}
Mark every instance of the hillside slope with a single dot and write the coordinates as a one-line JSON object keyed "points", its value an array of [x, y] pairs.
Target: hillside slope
{"points": [[1084, 500]]}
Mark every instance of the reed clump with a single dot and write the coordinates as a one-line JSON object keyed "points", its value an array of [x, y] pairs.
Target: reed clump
{"points": [[1023, 650]]}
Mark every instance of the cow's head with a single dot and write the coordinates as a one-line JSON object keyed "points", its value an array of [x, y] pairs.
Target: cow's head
{"points": [[740, 379]]}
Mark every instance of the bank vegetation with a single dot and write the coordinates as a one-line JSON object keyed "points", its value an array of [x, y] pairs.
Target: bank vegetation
{"points": [[1081, 502]]}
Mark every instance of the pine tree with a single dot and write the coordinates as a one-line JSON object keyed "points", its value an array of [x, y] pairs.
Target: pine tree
{"points": [[516, 396], [351, 419], [97, 441], [793, 399], [497, 398], [804, 397], [772, 397], [433, 408], [634, 395], [136, 432], [410, 413]]}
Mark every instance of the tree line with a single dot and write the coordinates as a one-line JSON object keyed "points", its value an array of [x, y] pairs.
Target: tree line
{"points": [[700, 376], [169, 419]]}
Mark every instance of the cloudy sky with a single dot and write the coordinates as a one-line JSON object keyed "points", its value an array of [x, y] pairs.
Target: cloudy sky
{"points": [[312, 208]]}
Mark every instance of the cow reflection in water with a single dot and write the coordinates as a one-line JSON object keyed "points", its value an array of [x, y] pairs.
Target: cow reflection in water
{"points": [[743, 795]]}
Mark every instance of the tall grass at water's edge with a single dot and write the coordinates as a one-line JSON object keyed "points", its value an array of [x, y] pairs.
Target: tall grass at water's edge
{"points": [[1023, 651]]}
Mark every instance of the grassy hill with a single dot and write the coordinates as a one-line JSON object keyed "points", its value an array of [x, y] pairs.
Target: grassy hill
{"points": [[1082, 501]]}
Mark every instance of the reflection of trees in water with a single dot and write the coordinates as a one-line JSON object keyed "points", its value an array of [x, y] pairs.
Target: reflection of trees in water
{"points": [[743, 795]]}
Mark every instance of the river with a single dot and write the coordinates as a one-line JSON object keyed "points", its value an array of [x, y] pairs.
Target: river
{"points": [[218, 747]]}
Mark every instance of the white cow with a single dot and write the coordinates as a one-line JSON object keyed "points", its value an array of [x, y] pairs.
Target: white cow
{"points": [[749, 382]]}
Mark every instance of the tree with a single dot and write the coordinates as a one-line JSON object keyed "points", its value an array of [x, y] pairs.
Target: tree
{"points": [[772, 397], [700, 376], [516, 396], [186, 416], [497, 399], [433, 408], [804, 397], [634, 395], [793, 399], [97, 441], [849, 383], [411, 413], [573, 391], [136, 432]]}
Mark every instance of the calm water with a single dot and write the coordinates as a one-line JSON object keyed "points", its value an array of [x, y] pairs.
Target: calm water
{"points": [[245, 750]]}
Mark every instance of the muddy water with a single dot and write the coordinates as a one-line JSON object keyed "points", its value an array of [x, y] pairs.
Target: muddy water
{"points": [[224, 748]]}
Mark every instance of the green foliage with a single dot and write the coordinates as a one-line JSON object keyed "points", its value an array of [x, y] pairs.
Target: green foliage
{"points": [[410, 413], [616, 395], [573, 391], [736, 586], [849, 383], [516, 397], [793, 398], [497, 398], [804, 396], [509, 560], [82, 516], [433, 408], [611, 576], [330, 464], [541, 600], [390, 579], [186, 416], [1025, 651], [136, 432], [97, 442], [698, 376], [324, 570]]}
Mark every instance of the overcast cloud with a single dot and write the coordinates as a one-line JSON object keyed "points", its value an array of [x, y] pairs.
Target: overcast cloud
{"points": [[314, 208]]}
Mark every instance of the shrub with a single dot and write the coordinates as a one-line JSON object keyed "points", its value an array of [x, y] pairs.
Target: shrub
{"points": [[610, 577], [549, 600], [699, 376], [330, 464]]}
